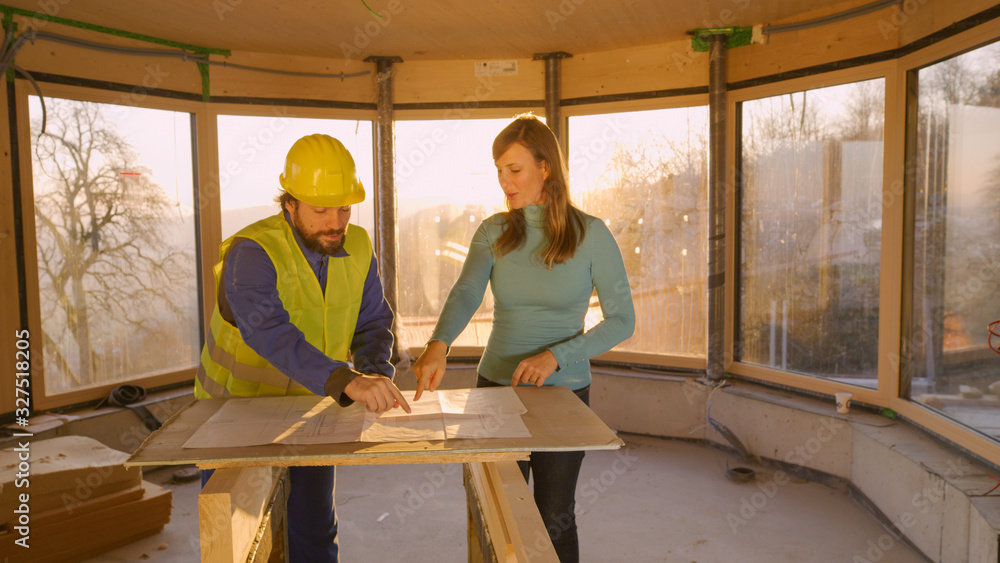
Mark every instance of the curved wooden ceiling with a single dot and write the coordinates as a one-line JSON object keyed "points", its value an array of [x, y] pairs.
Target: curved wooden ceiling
{"points": [[412, 29]]}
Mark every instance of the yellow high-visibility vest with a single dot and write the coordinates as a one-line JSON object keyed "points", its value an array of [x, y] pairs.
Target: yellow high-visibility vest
{"points": [[229, 367]]}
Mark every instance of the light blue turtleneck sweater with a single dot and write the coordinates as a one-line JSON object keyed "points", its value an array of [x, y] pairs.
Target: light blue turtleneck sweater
{"points": [[538, 309]]}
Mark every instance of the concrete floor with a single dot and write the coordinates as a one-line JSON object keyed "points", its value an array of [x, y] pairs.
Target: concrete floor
{"points": [[654, 500]]}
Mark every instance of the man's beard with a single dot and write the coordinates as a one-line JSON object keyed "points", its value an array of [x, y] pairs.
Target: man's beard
{"points": [[314, 242]]}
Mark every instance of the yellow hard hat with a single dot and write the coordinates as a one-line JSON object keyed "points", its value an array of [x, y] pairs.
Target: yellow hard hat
{"points": [[320, 171]]}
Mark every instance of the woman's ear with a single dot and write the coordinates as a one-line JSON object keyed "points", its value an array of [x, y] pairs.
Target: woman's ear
{"points": [[545, 168]]}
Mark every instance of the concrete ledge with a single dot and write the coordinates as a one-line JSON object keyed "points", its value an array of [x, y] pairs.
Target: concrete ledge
{"points": [[926, 494]]}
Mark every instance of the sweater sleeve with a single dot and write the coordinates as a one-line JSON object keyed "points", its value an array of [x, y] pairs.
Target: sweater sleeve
{"points": [[467, 294], [607, 270]]}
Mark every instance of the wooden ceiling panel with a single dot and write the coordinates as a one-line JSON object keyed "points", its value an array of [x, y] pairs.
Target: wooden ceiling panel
{"points": [[443, 29]]}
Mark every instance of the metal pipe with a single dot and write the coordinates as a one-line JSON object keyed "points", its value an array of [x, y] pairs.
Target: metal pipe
{"points": [[716, 206], [385, 185], [553, 77]]}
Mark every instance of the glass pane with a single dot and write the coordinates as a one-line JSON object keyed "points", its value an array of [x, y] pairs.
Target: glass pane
{"points": [[811, 224], [115, 227], [645, 173], [252, 153], [446, 184], [947, 361]]}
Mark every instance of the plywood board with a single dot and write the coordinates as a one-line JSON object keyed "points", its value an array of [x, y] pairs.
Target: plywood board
{"points": [[64, 472], [556, 418], [86, 534]]}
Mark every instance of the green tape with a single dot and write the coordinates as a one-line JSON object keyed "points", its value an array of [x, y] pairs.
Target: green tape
{"points": [[206, 93], [889, 413], [111, 31], [736, 37]]}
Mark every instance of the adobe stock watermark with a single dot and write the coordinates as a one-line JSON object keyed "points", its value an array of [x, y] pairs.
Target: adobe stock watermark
{"points": [[425, 148], [50, 8], [414, 498], [223, 7], [726, 18], [363, 35], [799, 455], [89, 485], [901, 14], [749, 508], [590, 493], [153, 77], [563, 11], [221, 525], [981, 274], [586, 153], [922, 502], [249, 148]]}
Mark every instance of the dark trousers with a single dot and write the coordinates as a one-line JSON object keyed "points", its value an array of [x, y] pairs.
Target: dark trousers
{"points": [[555, 475], [312, 516]]}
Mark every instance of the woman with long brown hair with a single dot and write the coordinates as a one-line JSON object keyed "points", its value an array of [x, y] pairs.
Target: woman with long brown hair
{"points": [[542, 258]]}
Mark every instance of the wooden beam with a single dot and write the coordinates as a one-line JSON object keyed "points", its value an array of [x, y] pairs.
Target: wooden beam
{"points": [[271, 542], [502, 514], [231, 507]]}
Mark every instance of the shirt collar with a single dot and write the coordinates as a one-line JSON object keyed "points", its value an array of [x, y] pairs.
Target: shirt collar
{"points": [[535, 214]]}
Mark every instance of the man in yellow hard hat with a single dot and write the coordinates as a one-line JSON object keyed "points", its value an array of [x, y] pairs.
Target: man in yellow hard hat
{"points": [[298, 295]]}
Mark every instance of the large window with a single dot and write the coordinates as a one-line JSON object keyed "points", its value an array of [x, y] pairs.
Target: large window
{"points": [[955, 292], [252, 153], [645, 174], [115, 242], [446, 184], [810, 224]]}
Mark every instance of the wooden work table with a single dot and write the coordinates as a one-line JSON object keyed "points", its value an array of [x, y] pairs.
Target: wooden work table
{"points": [[557, 419], [501, 511]]}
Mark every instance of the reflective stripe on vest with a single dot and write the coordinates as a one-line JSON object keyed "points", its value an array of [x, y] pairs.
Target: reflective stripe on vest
{"points": [[229, 367]]}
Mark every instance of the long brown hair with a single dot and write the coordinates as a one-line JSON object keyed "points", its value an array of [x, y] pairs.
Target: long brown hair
{"points": [[564, 225]]}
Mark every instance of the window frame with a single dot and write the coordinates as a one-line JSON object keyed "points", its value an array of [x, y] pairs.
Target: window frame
{"points": [[666, 361], [890, 244], [459, 112], [40, 399], [959, 434]]}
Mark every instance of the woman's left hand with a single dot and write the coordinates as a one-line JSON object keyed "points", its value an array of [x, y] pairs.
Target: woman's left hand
{"points": [[535, 370]]}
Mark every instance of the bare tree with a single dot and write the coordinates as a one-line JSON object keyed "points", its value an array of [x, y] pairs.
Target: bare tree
{"points": [[949, 82], [102, 229], [653, 195], [864, 111]]}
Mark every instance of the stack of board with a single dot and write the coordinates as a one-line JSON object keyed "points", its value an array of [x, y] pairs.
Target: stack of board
{"points": [[80, 500]]}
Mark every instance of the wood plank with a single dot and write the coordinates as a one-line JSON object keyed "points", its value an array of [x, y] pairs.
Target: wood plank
{"points": [[556, 418], [64, 472], [271, 542], [535, 541], [481, 548], [90, 505], [499, 538], [504, 523], [86, 534], [231, 507]]}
